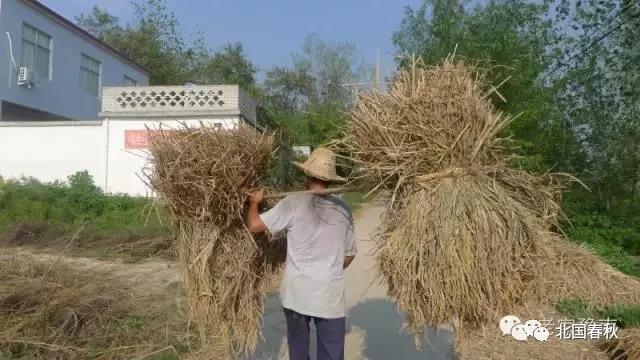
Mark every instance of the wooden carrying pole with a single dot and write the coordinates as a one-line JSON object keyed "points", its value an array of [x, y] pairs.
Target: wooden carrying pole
{"points": [[337, 190]]}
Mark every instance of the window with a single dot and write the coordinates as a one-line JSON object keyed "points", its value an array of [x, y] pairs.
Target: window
{"points": [[36, 51], [129, 81], [90, 75]]}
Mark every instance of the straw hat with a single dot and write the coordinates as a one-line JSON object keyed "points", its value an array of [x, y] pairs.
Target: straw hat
{"points": [[321, 164]]}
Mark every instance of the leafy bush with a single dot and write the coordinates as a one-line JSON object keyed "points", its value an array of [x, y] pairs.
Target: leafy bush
{"points": [[615, 239], [65, 206], [599, 227]]}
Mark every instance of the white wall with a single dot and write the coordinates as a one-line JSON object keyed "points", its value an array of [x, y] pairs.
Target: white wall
{"points": [[52, 151]]}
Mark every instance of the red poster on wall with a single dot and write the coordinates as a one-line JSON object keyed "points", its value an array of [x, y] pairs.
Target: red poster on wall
{"points": [[138, 139]]}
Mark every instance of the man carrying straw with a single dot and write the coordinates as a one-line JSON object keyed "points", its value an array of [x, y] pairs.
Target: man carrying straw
{"points": [[320, 245]]}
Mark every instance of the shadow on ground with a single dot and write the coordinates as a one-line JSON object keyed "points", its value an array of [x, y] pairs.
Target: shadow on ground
{"points": [[382, 325], [385, 339], [274, 329]]}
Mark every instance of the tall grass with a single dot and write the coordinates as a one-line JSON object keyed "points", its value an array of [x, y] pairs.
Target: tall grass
{"points": [[63, 206]]}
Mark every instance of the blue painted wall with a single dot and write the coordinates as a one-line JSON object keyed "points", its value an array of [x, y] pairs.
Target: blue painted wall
{"points": [[62, 94]]}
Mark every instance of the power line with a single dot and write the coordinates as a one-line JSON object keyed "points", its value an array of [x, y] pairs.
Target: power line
{"points": [[596, 41], [613, 18]]}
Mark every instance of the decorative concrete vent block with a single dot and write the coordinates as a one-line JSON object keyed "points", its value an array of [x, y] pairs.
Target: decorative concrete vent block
{"points": [[177, 101]]}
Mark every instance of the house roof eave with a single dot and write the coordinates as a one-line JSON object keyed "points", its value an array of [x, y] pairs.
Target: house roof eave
{"points": [[83, 33]]}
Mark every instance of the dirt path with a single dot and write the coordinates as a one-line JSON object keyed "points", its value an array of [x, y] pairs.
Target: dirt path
{"points": [[149, 277], [373, 323]]}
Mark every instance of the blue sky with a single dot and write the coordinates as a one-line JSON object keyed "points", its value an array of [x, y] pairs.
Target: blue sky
{"points": [[273, 30]]}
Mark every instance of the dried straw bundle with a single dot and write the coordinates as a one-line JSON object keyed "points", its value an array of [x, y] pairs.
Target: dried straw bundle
{"points": [[626, 347], [204, 176], [572, 271], [204, 173], [488, 343], [459, 241]]}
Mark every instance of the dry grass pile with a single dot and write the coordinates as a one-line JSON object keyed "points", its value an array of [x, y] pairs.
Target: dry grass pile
{"points": [[626, 347], [466, 238], [572, 271], [488, 343], [204, 176], [51, 311]]}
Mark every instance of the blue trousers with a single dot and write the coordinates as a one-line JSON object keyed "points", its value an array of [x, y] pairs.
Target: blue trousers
{"points": [[330, 335]]}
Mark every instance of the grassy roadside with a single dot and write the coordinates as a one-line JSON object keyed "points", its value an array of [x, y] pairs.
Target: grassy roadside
{"points": [[46, 215], [52, 311]]}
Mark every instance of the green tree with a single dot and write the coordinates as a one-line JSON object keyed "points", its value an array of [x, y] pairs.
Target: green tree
{"points": [[310, 98], [598, 78], [99, 23], [153, 40], [229, 65], [509, 40], [288, 90], [333, 65]]}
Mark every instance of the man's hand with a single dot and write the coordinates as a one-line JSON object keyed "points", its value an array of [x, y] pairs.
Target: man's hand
{"points": [[347, 261], [257, 196]]}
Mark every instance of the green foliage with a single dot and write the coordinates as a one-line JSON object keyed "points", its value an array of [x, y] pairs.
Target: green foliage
{"points": [[154, 40], [289, 90], [598, 227], [578, 114], [332, 65], [615, 256], [317, 125], [615, 241], [625, 316], [598, 92], [229, 65], [574, 308], [508, 39], [281, 174], [310, 98], [353, 200], [608, 230], [66, 206], [582, 119]]}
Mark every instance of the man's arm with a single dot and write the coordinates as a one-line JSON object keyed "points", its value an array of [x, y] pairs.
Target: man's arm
{"points": [[347, 261], [254, 223]]}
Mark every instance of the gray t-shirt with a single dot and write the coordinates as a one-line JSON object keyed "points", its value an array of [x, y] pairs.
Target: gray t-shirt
{"points": [[320, 234]]}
